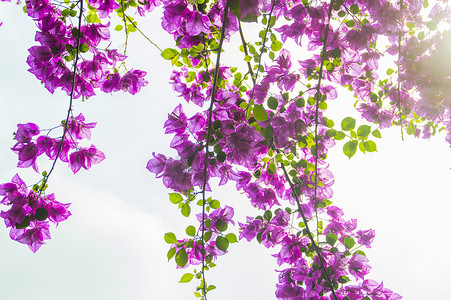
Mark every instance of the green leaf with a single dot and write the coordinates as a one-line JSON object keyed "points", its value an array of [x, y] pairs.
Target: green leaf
{"points": [[376, 133], [364, 131], [322, 105], [214, 204], [331, 133], [300, 102], [175, 198], [169, 53], [170, 238], [65, 12], [350, 23], [331, 238], [24, 223], [339, 135], [267, 132], [207, 235], [276, 46], [348, 124], [350, 148], [370, 146], [221, 225], [171, 253], [187, 277], [343, 279], [186, 210], [362, 147], [190, 230], [118, 27], [181, 258], [390, 71], [232, 238], [260, 113], [349, 242], [273, 103], [249, 19], [247, 58], [267, 215], [222, 243], [84, 48], [41, 214]]}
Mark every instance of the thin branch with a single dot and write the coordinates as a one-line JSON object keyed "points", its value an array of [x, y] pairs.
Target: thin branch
{"points": [[210, 113], [71, 97], [263, 47], [309, 232], [318, 98], [243, 42], [125, 26], [142, 33]]}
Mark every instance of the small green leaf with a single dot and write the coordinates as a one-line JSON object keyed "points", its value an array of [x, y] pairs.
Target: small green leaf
{"points": [[175, 198], [267, 132], [273, 103], [331, 133], [169, 53], [190, 230], [339, 135], [247, 58], [221, 225], [187, 277], [350, 23], [232, 238], [181, 258], [118, 27], [222, 243], [362, 147], [207, 235], [41, 214], [390, 71], [214, 204], [170, 238], [24, 223], [349, 242], [331, 238], [364, 131], [343, 279], [171, 253], [84, 48], [267, 215], [276, 46], [300, 102], [350, 148], [348, 124], [221, 156], [186, 210], [322, 105], [376, 133], [370, 146], [260, 113]]}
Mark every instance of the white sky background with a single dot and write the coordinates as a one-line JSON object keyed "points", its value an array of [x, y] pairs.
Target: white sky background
{"points": [[112, 246]]}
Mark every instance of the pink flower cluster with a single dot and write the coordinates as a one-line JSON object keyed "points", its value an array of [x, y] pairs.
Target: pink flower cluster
{"points": [[58, 46], [29, 213], [68, 150]]}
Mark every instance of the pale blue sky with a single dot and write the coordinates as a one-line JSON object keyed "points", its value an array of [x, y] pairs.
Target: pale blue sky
{"points": [[112, 246]]}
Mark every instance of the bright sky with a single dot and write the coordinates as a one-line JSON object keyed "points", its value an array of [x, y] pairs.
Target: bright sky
{"points": [[112, 246]]}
